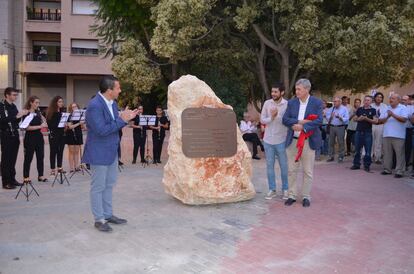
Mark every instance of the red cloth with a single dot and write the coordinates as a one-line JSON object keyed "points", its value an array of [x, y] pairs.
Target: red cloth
{"points": [[303, 136]]}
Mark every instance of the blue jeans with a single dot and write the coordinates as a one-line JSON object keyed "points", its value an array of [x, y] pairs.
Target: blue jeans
{"points": [[363, 139], [103, 181], [271, 152]]}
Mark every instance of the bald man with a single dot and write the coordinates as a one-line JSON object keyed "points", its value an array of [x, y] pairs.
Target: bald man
{"points": [[394, 120]]}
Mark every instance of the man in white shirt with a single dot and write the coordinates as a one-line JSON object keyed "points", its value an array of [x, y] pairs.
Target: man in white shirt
{"points": [[249, 132], [377, 130], [274, 139], [394, 136], [337, 117]]}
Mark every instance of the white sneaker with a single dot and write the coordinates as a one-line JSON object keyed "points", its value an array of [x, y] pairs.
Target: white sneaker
{"points": [[285, 195], [270, 195]]}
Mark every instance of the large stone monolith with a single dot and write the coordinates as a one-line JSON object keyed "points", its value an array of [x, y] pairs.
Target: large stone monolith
{"points": [[203, 180]]}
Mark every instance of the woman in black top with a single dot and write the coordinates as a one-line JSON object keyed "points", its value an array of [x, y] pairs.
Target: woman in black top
{"points": [[140, 135], [158, 134], [74, 139], [33, 140], [56, 134]]}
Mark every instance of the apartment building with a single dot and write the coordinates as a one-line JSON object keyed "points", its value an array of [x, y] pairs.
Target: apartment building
{"points": [[47, 49]]}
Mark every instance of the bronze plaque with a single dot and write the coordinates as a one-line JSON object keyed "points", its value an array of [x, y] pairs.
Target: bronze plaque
{"points": [[209, 132]]}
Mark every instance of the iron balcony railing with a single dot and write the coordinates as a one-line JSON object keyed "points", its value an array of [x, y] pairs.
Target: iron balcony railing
{"points": [[42, 57], [44, 15]]}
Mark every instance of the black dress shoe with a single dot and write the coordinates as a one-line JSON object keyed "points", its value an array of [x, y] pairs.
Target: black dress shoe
{"points": [[398, 176], [116, 220], [255, 157], [9, 186], [385, 173], [306, 203], [134, 162], [290, 202], [16, 183], [367, 169], [355, 167], [330, 159], [104, 227], [159, 161]]}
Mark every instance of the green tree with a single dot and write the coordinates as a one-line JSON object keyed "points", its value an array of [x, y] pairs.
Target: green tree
{"points": [[349, 44], [338, 44]]}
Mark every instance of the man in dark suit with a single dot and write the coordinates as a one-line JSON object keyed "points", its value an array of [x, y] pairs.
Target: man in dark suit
{"points": [[296, 120], [101, 149]]}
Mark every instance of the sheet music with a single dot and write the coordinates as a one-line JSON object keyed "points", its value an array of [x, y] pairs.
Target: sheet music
{"points": [[147, 120], [27, 120], [64, 119], [77, 115]]}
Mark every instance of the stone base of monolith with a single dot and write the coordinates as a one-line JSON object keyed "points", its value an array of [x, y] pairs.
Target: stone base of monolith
{"points": [[210, 180]]}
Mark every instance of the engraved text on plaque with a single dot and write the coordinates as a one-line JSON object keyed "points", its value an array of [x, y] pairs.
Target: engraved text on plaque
{"points": [[209, 132]]}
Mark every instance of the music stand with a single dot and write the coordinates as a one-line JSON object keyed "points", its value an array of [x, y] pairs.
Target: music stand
{"points": [[60, 176], [147, 120], [25, 190], [79, 115]]}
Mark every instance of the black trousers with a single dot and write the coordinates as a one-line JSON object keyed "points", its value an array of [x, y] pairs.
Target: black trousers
{"points": [[254, 139], [408, 145], [157, 147], [57, 145], [139, 144], [119, 146], [349, 139], [33, 144], [9, 150]]}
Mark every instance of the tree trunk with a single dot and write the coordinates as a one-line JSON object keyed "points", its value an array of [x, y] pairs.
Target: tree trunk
{"points": [[261, 71], [174, 72], [285, 72]]}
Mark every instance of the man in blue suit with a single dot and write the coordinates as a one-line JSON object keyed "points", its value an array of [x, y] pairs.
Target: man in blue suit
{"points": [[101, 149], [295, 119]]}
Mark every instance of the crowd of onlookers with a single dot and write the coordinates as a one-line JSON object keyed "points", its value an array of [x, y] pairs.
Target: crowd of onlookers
{"points": [[371, 129]]}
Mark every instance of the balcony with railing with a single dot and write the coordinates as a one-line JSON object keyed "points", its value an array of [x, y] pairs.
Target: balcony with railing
{"points": [[37, 57], [44, 15]]}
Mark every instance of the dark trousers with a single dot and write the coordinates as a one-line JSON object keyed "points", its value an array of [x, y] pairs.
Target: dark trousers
{"points": [[350, 140], [254, 139], [9, 150], [57, 145], [139, 144], [363, 139], [119, 146], [31, 146], [408, 145], [157, 148]]}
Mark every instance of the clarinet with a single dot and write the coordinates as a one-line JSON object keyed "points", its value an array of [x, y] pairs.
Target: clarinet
{"points": [[142, 127], [6, 114], [159, 129]]}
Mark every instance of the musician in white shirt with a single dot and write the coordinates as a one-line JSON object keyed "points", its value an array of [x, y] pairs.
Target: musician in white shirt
{"points": [[248, 129]]}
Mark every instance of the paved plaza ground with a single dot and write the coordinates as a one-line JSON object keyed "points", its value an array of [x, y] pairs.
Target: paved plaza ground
{"points": [[358, 223]]}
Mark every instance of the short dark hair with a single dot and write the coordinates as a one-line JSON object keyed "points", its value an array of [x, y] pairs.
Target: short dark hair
{"points": [[107, 82], [357, 99], [278, 85], [9, 91], [377, 94], [344, 97], [368, 96]]}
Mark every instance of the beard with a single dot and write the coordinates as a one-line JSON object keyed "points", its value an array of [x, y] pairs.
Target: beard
{"points": [[276, 98]]}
